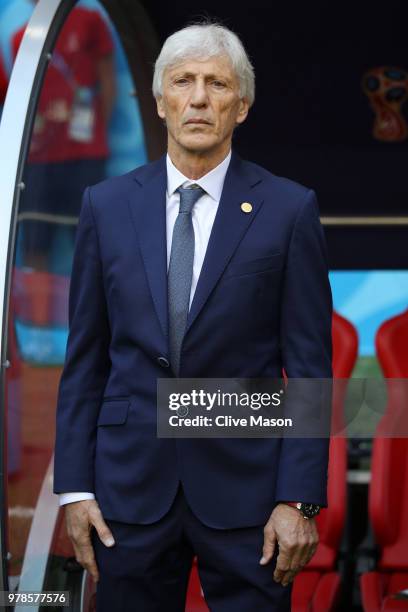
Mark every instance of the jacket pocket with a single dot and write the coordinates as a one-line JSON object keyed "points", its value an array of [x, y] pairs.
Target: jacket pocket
{"points": [[253, 266], [113, 412]]}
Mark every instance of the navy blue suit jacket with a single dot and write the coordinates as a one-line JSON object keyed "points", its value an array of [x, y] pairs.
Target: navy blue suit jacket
{"points": [[262, 303]]}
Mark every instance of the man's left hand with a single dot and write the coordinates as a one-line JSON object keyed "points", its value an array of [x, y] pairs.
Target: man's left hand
{"points": [[297, 538]]}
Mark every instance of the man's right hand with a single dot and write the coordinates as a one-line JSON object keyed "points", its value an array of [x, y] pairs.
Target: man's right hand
{"points": [[80, 517]]}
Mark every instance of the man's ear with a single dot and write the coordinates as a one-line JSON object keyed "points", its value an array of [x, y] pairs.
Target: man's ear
{"points": [[242, 111], [160, 107]]}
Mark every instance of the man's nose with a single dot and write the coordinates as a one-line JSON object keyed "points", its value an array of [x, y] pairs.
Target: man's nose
{"points": [[199, 95]]}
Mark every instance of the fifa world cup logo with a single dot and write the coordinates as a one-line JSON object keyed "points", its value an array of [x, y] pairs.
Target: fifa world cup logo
{"points": [[387, 90]]}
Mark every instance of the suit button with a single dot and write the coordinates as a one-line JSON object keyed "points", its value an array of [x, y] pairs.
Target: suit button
{"points": [[163, 362]]}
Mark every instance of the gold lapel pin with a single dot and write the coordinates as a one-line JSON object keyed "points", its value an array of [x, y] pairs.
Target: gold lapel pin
{"points": [[246, 207]]}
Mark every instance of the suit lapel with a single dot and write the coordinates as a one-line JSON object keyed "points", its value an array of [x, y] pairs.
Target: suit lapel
{"points": [[149, 216], [230, 224], [229, 227]]}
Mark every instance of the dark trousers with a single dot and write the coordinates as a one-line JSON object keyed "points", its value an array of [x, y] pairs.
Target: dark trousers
{"points": [[148, 568]]}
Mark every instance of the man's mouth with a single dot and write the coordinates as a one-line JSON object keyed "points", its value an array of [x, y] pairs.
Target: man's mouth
{"points": [[197, 120]]}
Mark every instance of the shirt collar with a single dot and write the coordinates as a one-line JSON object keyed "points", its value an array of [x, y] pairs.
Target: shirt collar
{"points": [[212, 182]]}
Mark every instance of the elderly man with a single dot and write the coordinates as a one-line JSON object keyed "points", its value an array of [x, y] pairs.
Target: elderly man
{"points": [[197, 265]]}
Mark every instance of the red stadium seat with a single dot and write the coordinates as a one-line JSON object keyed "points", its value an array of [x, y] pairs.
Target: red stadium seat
{"points": [[388, 497], [345, 346], [3, 82], [317, 588]]}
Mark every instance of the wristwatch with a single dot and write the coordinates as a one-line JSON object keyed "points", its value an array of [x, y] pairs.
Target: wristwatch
{"points": [[308, 510]]}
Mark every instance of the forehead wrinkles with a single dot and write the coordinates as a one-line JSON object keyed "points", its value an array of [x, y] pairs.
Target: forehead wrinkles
{"points": [[219, 65]]}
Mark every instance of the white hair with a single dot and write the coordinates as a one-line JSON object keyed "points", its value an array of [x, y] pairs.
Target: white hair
{"points": [[204, 40]]}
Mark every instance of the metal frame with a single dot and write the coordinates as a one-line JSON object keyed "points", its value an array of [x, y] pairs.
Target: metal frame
{"points": [[137, 34], [364, 221], [15, 130]]}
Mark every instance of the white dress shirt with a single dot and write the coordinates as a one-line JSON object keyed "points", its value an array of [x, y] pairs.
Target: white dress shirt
{"points": [[203, 216]]}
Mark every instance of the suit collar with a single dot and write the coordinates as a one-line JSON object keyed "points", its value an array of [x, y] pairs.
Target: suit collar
{"points": [[248, 171], [212, 182], [148, 211]]}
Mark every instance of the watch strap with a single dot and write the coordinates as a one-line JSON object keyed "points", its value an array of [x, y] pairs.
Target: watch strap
{"points": [[307, 510], [298, 506]]}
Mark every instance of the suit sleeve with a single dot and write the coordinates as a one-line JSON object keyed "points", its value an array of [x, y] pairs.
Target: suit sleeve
{"points": [[306, 345], [87, 363]]}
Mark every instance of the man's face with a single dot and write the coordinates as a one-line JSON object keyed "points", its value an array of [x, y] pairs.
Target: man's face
{"points": [[201, 104]]}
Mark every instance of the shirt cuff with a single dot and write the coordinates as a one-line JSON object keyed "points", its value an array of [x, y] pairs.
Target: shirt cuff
{"points": [[68, 498]]}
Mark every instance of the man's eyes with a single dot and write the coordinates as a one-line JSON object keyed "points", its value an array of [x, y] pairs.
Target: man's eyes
{"points": [[185, 81]]}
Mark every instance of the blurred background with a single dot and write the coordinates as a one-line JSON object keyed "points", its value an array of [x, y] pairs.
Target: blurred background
{"points": [[331, 113]]}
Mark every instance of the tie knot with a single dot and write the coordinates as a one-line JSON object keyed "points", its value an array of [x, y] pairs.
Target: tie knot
{"points": [[188, 197]]}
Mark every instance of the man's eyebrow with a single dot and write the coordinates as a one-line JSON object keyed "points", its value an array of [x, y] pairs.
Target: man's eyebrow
{"points": [[211, 75], [177, 75]]}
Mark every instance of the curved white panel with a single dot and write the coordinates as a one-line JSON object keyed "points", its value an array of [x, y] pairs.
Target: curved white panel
{"points": [[27, 70], [13, 122]]}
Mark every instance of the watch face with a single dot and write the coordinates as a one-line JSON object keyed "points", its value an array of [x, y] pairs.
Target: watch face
{"points": [[310, 510]]}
